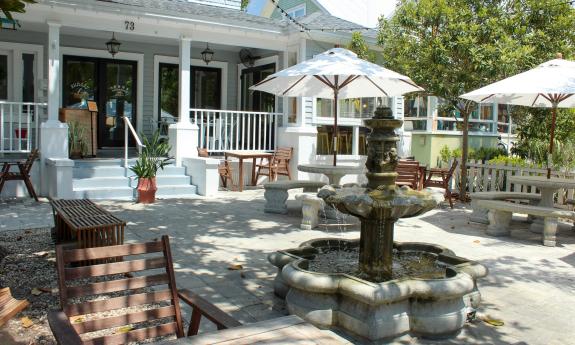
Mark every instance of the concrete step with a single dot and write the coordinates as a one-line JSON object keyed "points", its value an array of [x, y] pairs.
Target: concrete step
{"points": [[100, 182], [172, 180], [107, 193], [179, 191], [97, 162], [99, 171], [171, 170]]}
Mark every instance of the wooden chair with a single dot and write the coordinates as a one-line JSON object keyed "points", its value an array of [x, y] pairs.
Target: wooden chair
{"points": [[444, 182], [224, 169], [279, 164], [152, 287], [23, 173], [9, 306], [408, 174]]}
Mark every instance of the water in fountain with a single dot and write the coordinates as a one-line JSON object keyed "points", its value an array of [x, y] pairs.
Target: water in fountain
{"points": [[379, 205]]}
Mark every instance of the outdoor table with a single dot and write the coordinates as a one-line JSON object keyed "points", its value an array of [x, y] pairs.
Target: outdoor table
{"points": [[548, 187], [241, 155], [284, 330], [333, 173]]}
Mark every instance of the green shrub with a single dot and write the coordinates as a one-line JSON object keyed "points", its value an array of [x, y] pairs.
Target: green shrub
{"points": [[487, 153], [508, 160]]}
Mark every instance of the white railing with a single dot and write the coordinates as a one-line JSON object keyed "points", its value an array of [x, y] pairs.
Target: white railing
{"points": [[128, 125], [483, 177], [222, 130], [19, 122]]}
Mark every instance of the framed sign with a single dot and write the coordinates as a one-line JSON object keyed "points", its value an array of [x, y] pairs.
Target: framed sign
{"points": [[92, 106]]}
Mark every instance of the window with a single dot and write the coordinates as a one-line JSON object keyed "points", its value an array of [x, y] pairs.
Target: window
{"points": [[298, 11], [360, 108], [3, 77], [415, 112], [325, 140], [205, 89]]}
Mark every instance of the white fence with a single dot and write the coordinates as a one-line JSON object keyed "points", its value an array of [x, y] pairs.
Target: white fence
{"points": [[222, 130], [482, 177], [19, 122]]}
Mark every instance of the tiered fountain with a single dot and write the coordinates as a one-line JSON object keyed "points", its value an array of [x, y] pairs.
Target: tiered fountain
{"points": [[373, 287]]}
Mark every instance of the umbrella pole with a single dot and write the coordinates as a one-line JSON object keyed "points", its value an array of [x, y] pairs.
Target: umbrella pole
{"points": [[335, 131], [552, 143]]}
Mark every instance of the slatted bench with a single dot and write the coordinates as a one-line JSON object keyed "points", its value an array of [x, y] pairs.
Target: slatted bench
{"points": [[479, 214], [86, 223], [9, 306], [500, 213], [276, 193]]}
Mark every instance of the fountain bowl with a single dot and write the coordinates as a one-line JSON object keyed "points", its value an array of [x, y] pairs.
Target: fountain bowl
{"points": [[431, 308]]}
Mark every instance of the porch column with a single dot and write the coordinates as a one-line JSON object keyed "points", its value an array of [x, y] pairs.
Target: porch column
{"points": [[53, 133], [183, 136]]}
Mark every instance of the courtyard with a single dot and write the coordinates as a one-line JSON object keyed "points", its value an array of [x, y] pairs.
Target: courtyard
{"points": [[220, 247]]}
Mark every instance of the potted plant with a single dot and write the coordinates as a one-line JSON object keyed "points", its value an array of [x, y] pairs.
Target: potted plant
{"points": [[76, 140], [154, 156]]}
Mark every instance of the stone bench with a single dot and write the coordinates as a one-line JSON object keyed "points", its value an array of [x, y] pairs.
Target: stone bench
{"points": [[310, 206], [276, 193], [500, 213], [479, 214]]}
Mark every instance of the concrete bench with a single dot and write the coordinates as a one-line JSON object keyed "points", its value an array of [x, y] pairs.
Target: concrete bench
{"points": [[479, 214], [310, 206], [276, 193], [500, 213]]}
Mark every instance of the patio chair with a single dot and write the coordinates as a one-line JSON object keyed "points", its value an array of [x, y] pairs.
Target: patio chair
{"points": [[23, 173], [279, 164], [152, 288], [224, 169], [445, 176], [408, 172]]}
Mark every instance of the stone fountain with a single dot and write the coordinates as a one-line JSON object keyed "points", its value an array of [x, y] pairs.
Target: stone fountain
{"points": [[373, 287]]}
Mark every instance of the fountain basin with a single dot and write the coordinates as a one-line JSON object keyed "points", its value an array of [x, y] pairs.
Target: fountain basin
{"points": [[432, 308]]}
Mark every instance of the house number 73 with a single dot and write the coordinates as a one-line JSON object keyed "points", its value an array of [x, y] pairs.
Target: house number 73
{"points": [[130, 26]]}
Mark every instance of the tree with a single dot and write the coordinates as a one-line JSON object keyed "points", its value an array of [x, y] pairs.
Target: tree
{"points": [[14, 6], [450, 47], [360, 47], [244, 4]]}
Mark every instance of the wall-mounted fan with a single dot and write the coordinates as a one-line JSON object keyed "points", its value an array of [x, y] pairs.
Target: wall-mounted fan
{"points": [[247, 58]]}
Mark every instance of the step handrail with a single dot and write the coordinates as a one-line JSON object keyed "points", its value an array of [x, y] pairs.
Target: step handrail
{"points": [[128, 124]]}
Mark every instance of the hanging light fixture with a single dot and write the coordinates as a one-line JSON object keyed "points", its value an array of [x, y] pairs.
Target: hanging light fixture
{"points": [[113, 45], [207, 54]]}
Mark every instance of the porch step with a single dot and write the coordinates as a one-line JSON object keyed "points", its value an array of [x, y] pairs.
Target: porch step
{"points": [[108, 179], [108, 193]]}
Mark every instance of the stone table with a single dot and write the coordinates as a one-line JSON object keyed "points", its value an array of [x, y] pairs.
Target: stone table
{"points": [[333, 173], [548, 187]]}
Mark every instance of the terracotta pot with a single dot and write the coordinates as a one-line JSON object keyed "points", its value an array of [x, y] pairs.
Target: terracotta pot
{"points": [[147, 190]]}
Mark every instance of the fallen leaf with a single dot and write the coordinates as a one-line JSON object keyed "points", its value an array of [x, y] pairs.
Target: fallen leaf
{"points": [[476, 241], [41, 254], [36, 291], [235, 267], [124, 329], [46, 290], [26, 322], [77, 319], [492, 322]]}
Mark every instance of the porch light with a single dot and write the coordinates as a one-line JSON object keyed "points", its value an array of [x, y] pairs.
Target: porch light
{"points": [[113, 45], [207, 54]]}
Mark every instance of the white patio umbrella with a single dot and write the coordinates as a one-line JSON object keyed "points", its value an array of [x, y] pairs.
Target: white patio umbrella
{"points": [[549, 85], [335, 74]]}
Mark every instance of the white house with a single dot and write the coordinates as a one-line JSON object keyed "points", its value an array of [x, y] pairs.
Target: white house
{"points": [[57, 57]]}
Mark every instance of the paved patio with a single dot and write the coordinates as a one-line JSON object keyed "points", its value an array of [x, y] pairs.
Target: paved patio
{"points": [[530, 287]]}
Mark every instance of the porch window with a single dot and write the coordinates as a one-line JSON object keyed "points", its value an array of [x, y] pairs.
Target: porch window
{"points": [[79, 83], [359, 108], [415, 112], [3, 77], [205, 90]]}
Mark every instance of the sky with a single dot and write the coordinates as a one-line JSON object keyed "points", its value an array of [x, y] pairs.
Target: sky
{"points": [[362, 12]]}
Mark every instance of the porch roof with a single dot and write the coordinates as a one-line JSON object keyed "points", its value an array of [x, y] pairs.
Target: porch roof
{"points": [[179, 9]]}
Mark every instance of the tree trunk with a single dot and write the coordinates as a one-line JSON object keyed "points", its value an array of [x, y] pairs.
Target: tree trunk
{"points": [[464, 150]]}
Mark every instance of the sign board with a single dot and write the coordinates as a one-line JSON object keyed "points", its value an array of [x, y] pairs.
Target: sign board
{"points": [[92, 106]]}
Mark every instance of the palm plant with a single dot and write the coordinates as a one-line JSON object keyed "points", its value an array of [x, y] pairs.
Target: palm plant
{"points": [[154, 156]]}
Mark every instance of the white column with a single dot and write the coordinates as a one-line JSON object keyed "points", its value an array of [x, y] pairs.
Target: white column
{"points": [[53, 133], [183, 136], [355, 141], [301, 57]]}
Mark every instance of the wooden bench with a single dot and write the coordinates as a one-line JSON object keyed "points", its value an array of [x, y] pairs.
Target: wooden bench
{"points": [[500, 213], [86, 223], [408, 174], [276, 193], [479, 214], [9, 306]]}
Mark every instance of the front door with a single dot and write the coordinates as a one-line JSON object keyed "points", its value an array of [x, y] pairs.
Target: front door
{"points": [[256, 100], [112, 84]]}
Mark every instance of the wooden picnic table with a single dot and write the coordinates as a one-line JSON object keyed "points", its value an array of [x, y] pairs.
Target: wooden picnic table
{"points": [[284, 330], [241, 155]]}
